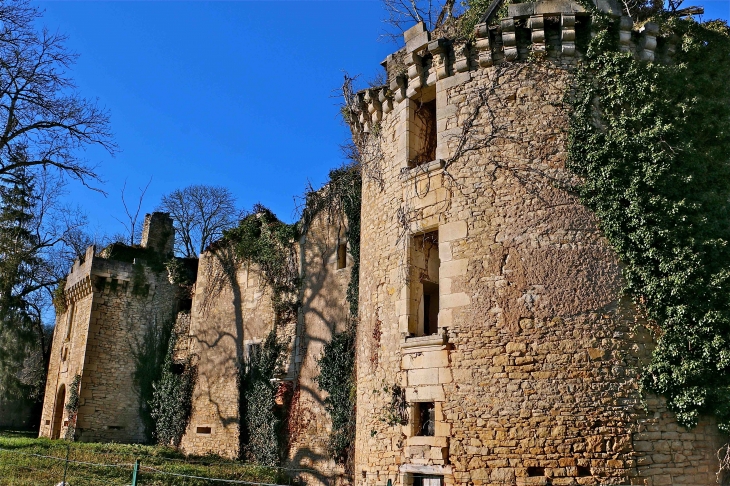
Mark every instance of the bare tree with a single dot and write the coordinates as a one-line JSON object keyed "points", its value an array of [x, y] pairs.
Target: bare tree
{"points": [[200, 213], [40, 113], [132, 230], [403, 14], [36, 236]]}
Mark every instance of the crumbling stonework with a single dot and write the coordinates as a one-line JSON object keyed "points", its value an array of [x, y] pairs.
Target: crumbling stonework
{"points": [[531, 375], [494, 346], [232, 310], [110, 303]]}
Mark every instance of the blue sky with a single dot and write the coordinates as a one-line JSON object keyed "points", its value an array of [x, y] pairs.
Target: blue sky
{"points": [[241, 94]]}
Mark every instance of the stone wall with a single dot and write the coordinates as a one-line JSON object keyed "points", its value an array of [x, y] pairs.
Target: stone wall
{"points": [[532, 371], [111, 305], [231, 310], [324, 311]]}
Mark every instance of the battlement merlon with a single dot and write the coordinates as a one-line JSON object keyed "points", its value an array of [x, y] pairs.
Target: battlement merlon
{"points": [[158, 233], [549, 28]]}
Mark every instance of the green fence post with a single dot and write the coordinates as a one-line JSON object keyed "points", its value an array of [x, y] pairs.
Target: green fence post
{"points": [[134, 472], [65, 466]]}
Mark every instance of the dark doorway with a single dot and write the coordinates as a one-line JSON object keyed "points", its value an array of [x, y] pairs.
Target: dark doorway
{"points": [[58, 413]]}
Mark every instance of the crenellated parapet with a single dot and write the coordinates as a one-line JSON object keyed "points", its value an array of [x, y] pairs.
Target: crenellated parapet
{"points": [[555, 30]]}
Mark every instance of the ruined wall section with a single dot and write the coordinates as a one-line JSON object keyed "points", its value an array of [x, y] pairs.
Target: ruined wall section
{"points": [[324, 312], [533, 371], [231, 311], [128, 299], [68, 347], [112, 299]]}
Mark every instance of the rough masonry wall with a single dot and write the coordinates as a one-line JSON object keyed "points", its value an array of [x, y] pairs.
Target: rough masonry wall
{"points": [[68, 347], [231, 308], [111, 305], [109, 407], [324, 311], [534, 369]]}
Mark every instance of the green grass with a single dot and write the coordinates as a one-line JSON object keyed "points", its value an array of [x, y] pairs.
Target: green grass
{"points": [[27, 460]]}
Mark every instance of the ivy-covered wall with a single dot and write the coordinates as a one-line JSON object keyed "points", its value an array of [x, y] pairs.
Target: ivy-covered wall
{"points": [[651, 142]]}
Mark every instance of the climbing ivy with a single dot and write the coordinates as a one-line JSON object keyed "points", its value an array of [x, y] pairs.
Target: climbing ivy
{"points": [[652, 144], [59, 299], [149, 356], [343, 192], [262, 239], [72, 407], [172, 396], [337, 378], [261, 424]]}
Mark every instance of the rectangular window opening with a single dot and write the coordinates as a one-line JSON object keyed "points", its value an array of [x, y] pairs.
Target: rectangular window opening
{"points": [[425, 263], [341, 256], [425, 416], [253, 351], [422, 134], [535, 471], [427, 480], [203, 430], [185, 305]]}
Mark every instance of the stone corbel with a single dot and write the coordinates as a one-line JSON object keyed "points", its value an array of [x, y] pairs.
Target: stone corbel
{"points": [[374, 107], [385, 101], [537, 24], [567, 34], [624, 35], [461, 58], [483, 45], [364, 117], [415, 74], [398, 86], [647, 44], [509, 39], [440, 51]]}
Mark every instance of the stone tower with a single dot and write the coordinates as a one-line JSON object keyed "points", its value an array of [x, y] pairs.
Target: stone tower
{"points": [[493, 345], [112, 298]]}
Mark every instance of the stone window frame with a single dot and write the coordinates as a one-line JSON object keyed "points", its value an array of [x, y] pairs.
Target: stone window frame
{"points": [[70, 319], [248, 345], [341, 254], [414, 325], [426, 96]]}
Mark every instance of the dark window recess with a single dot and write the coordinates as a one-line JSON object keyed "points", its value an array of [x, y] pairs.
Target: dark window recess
{"points": [[535, 471], [177, 368], [430, 308], [186, 305], [48, 422], [341, 256], [113, 285], [584, 471], [427, 480], [203, 430], [424, 125], [114, 427], [253, 351], [425, 419]]}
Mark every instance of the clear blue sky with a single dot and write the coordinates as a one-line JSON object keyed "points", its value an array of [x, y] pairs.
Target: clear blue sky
{"points": [[241, 94]]}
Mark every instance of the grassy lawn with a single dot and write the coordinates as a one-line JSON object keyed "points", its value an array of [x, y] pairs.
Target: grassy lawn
{"points": [[27, 460]]}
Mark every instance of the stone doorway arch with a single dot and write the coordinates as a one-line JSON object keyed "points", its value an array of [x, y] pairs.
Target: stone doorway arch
{"points": [[58, 413]]}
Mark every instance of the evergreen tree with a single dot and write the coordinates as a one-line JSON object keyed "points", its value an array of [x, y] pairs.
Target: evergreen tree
{"points": [[20, 327]]}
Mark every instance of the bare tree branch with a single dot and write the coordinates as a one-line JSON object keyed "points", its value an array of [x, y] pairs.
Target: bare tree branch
{"points": [[201, 214], [40, 113]]}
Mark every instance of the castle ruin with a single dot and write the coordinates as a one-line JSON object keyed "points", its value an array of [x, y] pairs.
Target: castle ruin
{"points": [[491, 319]]}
